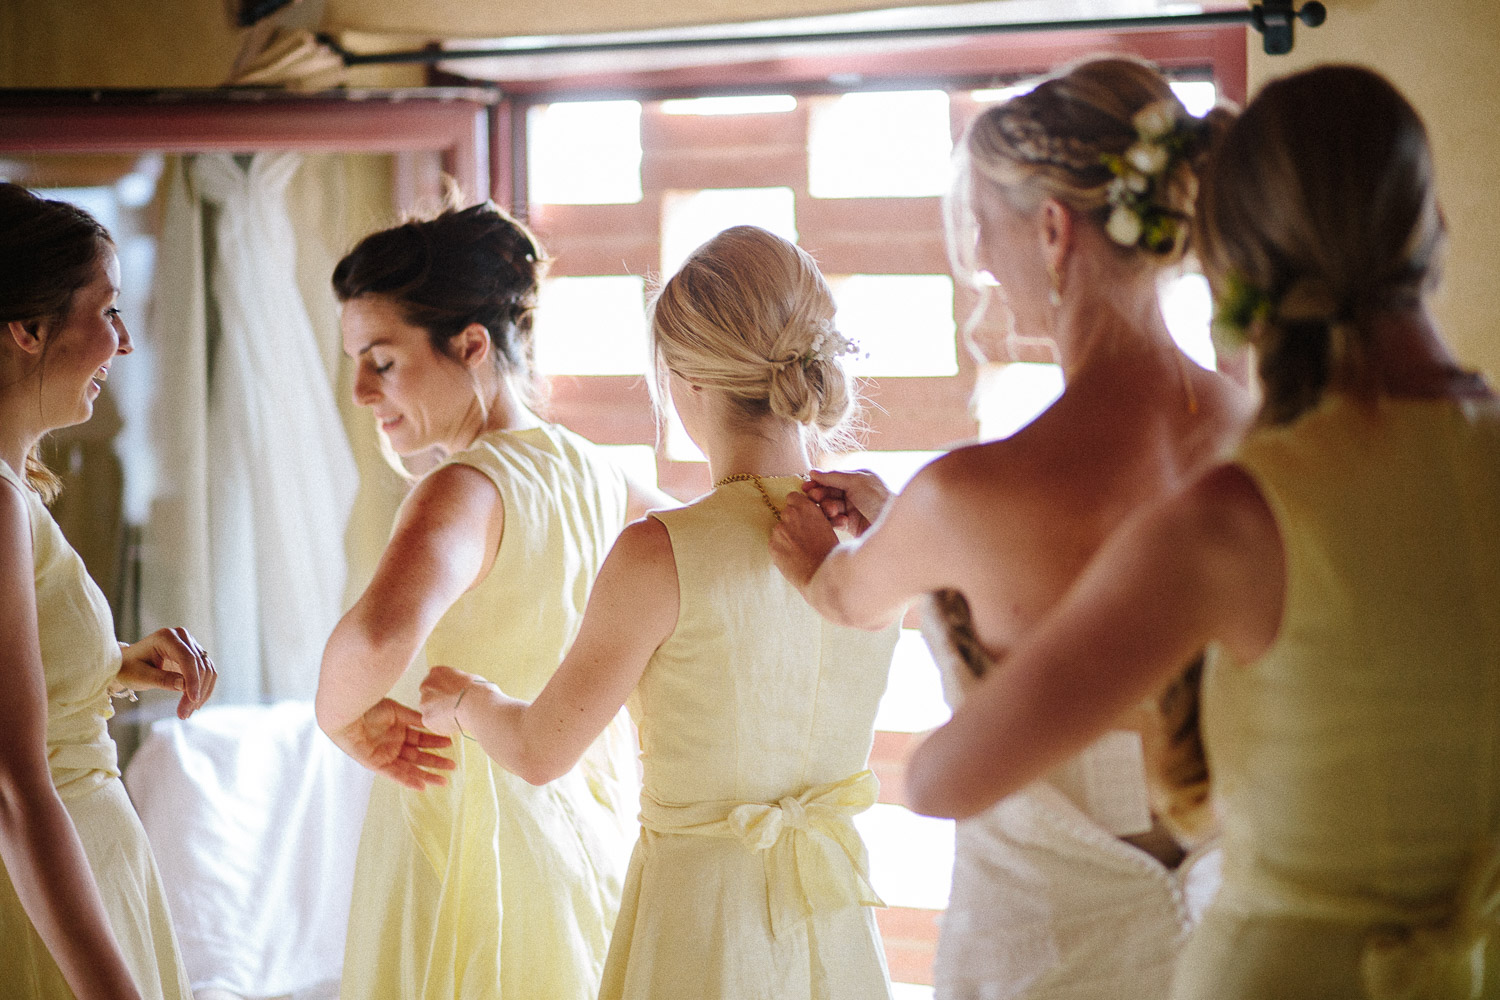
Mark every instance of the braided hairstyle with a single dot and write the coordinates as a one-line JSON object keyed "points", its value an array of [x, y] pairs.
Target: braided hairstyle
{"points": [[749, 313], [1058, 140], [462, 266], [51, 250]]}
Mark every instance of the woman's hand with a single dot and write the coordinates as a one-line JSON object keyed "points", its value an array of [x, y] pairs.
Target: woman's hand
{"points": [[441, 690], [801, 540], [169, 659], [389, 739], [850, 500]]}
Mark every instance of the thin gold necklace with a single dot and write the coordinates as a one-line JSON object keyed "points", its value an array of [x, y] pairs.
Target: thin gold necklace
{"points": [[750, 477]]}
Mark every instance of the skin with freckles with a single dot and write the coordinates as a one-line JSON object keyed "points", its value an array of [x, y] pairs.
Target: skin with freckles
{"points": [[446, 535]]}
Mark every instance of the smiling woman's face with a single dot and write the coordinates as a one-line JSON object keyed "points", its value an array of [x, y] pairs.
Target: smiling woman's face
{"points": [[81, 348], [420, 398]]}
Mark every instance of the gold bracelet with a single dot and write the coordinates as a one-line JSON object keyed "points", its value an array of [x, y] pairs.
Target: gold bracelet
{"points": [[459, 701]]}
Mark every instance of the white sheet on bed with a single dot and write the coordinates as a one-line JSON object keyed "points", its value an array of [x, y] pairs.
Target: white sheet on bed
{"points": [[254, 818]]}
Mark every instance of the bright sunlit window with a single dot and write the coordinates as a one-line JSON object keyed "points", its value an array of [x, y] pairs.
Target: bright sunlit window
{"points": [[758, 104], [1008, 397], [591, 326], [585, 153], [895, 468], [995, 95], [638, 461], [903, 323], [1188, 308], [879, 145], [690, 218], [700, 180], [1198, 96]]}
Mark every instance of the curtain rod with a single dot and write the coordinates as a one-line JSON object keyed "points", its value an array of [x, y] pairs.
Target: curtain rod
{"points": [[1274, 19]]}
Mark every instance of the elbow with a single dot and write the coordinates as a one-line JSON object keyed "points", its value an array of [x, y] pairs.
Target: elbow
{"points": [[537, 770], [841, 612], [832, 602], [23, 786], [323, 713], [324, 708], [931, 790], [831, 592]]}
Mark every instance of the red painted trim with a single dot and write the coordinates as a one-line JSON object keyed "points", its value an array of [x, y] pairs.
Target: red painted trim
{"points": [[68, 122]]}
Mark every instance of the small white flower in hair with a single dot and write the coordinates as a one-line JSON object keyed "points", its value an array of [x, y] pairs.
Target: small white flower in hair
{"points": [[1147, 157], [1124, 226], [1155, 120], [829, 343]]}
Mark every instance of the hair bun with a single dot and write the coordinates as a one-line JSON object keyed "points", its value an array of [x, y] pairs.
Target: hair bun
{"points": [[750, 314]]}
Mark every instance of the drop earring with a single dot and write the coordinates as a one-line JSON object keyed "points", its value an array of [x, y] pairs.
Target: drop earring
{"points": [[1055, 295]]}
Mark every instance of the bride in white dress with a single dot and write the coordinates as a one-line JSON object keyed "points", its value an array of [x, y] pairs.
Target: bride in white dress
{"points": [[1074, 197]]}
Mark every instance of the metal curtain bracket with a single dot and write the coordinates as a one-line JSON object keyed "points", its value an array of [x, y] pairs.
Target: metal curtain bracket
{"points": [[1275, 19]]}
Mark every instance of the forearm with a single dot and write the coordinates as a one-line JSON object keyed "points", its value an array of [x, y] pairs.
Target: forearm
{"points": [[504, 727], [46, 863], [361, 663], [842, 594]]}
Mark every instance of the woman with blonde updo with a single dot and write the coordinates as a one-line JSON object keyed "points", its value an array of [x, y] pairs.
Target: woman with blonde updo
{"points": [[1075, 197], [1344, 570], [756, 717], [470, 883]]}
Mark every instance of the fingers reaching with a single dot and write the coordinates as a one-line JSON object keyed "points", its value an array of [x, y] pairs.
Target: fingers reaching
{"points": [[170, 659], [801, 540]]}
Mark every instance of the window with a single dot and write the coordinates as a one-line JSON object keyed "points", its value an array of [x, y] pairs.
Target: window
{"points": [[856, 179]]}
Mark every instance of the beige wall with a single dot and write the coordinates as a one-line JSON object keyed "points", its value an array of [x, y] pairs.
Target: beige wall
{"points": [[1445, 56], [145, 43], [116, 43]]}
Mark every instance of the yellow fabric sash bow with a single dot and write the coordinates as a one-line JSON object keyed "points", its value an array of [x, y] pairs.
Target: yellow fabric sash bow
{"points": [[1442, 960], [815, 859]]}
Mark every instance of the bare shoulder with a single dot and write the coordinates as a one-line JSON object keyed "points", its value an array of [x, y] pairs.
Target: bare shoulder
{"points": [[15, 522], [635, 595], [956, 476], [452, 494], [1222, 506], [647, 545], [1228, 537]]}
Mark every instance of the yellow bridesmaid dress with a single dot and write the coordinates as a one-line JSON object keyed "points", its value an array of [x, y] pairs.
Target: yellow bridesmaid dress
{"points": [[488, 887], [1357, 763], [756, 717], [80, 658]]}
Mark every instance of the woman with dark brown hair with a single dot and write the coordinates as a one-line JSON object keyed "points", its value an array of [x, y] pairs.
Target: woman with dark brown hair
{"points": [[82, 912], [470, 882], [1075, 198], [1344, 569]]}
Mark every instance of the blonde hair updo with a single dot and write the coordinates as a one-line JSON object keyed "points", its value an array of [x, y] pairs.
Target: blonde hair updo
{"points": [[750, 314], [1058, 140]]}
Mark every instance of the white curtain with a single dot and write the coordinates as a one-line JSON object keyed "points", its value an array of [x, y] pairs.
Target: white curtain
{"points": [[255, 475]]}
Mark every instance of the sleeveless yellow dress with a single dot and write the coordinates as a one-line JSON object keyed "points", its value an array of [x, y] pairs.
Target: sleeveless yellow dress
{"points": [[488, 887], [1357, 764], [80, 658], [756, 717]]}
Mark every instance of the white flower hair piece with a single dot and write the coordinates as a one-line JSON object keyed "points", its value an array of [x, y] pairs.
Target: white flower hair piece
{"points": [[1137, 215], [828, 343]]}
